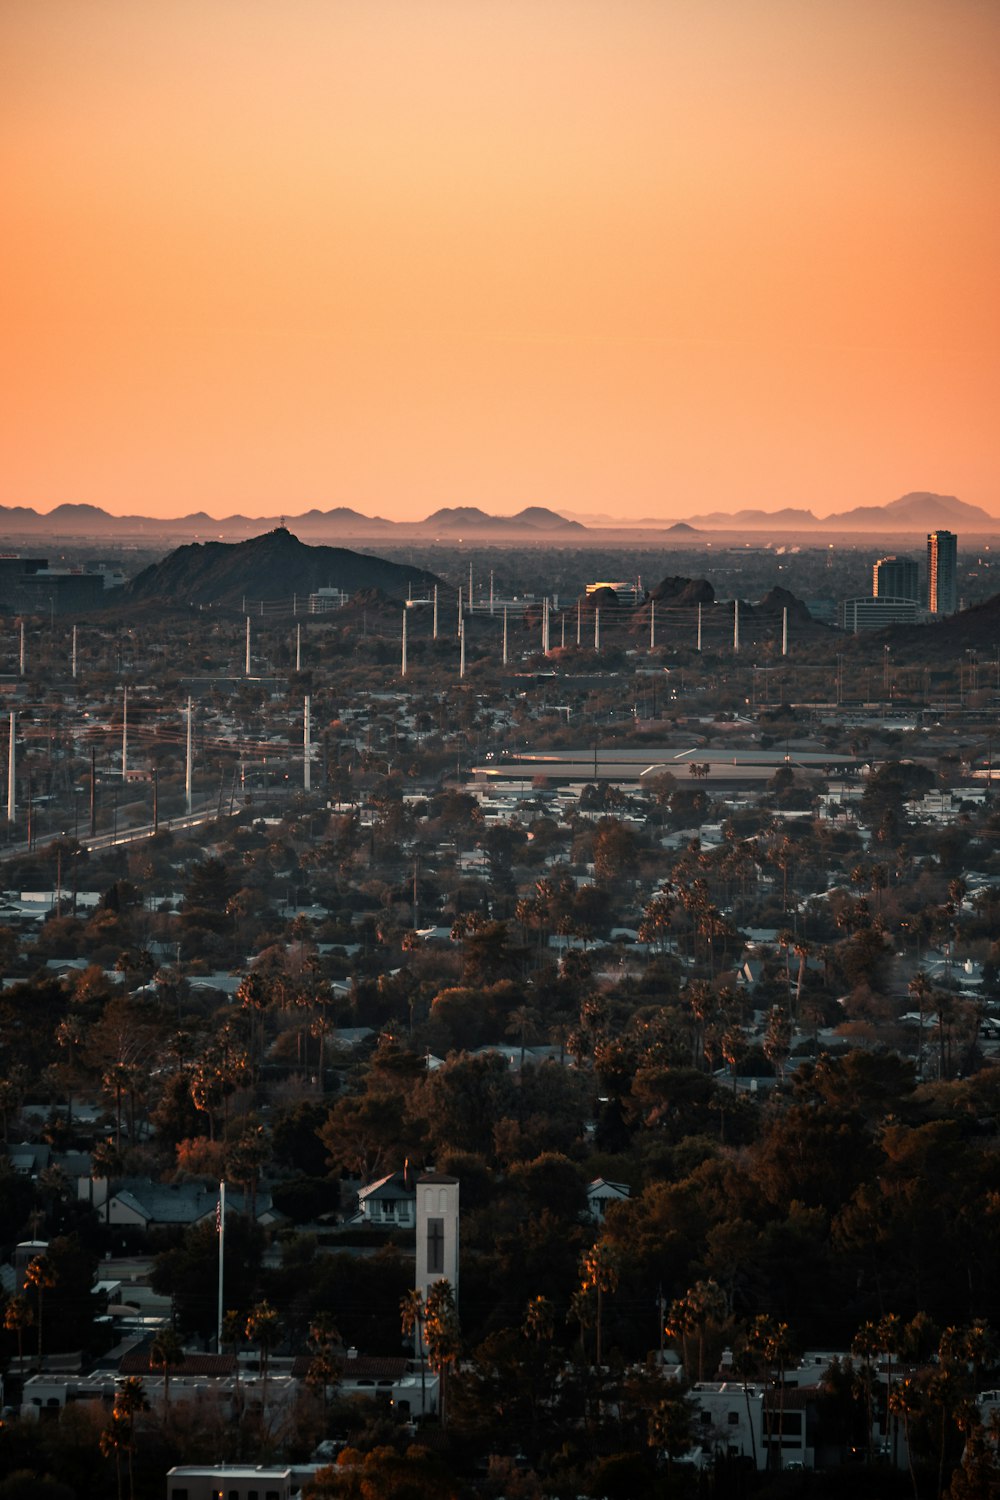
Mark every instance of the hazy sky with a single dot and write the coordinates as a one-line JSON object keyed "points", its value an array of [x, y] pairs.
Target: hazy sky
{"points": [[637, 257]]}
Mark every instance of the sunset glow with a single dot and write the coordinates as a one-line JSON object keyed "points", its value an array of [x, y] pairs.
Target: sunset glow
{"points": [[629, 257]]}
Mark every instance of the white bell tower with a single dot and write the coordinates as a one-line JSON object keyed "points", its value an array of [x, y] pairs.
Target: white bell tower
{"points": [[437, 1232]]}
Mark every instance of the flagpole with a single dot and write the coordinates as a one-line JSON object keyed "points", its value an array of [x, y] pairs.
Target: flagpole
{"points": [[222, 1246]]}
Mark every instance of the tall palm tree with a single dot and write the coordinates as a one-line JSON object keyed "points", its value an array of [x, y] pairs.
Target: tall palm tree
{"points": [[411, 1313], [866, 1347], [523, 1023], [105, 1163], [322, 1372], [129, 1399], [165, 1352], [599, 1272], [40, 1275], [905, 1404], [889, 1333], [442, 1334], [263, 1328], [17, 1316], [922, 991]]}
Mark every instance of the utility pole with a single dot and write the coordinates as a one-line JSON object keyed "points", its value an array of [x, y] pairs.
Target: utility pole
{"points": [[298, 648], [247, 668], [652, 624], [187, 767], [74, 653], [435, 631], [597, 628], [784, 631], [307, 740], [11, 776], [736, 626], [124, 733], [461, 648], [505, 635], [698, 646], [402, 663]]}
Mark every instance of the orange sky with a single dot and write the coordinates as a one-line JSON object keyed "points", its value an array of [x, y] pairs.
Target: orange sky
{"points": [[638, 257]]}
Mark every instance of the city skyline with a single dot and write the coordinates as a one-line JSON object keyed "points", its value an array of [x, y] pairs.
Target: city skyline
{"points": [[638, 260]]}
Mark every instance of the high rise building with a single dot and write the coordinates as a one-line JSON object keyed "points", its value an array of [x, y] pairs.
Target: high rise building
{"points": [[895, 578], [942, 572]]}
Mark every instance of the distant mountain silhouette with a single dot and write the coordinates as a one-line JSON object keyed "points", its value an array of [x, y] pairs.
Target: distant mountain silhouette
{"points": [[273, 566], [91, 520], [471, 518], [788, 519], [918, 511]]}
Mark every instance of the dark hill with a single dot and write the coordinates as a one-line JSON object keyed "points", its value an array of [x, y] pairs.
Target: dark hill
{"points": [[778, 599], [273, 566], [683, 591], [976, 629]]}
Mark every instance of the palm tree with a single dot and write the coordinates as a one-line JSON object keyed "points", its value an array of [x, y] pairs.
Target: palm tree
{"points": [[17, 1316], [12, 1089], [129, 1399], [786, 942], [599, 1272], [522, 1023], [889, 1333], [539, 1319], [671, 1428], [733, 1044], [411, 1313], [680, 1324], [708, 1303], [778, 1041], [263, 1328], [41, 1275], [113, 1439], [745, 1366], [322, 1372], [442, 1334], [105, 1163], [866, 1347], [772, 1341], [905, 1403], [922, 991], [165, 1351], [802, 951]]}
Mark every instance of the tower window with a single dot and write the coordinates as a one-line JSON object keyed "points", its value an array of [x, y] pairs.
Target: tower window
{"points": [[435, 1246]]}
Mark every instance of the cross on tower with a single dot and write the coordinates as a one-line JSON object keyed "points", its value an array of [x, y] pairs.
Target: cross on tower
{"points": [[435, 1246]]}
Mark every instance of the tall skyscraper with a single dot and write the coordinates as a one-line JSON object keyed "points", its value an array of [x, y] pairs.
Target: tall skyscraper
{"points": [[895, 578], [942, 572]]}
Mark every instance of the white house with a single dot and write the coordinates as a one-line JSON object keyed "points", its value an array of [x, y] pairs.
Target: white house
{"points": [[600, 1193], [390, 1202]]}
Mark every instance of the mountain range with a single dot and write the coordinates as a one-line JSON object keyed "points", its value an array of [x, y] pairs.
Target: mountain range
{"points": [[919, 511]]}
